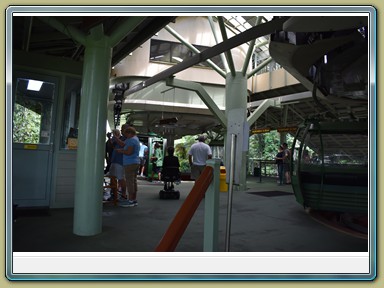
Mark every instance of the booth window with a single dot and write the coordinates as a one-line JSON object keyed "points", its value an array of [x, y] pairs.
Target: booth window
{"points": [[71, 112], [172, 52], [32, 111]]}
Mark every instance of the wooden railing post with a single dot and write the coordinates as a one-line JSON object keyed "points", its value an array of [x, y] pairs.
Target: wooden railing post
{"points": [[177, 227]]}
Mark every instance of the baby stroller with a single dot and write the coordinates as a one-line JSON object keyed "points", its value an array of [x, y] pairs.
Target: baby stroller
{"points": [[170, 175]]}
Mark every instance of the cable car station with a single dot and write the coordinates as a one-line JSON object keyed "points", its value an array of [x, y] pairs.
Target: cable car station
{"points": [[307, 77]]}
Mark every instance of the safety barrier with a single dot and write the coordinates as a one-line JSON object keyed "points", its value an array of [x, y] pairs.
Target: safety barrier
{"points": [[265, 168]]}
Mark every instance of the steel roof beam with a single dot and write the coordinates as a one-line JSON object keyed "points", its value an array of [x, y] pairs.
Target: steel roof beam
{"points": [[222, 56], [204, 96], [193, 49], [255, 32], [69, 30], [228, 53], [251, 48]]}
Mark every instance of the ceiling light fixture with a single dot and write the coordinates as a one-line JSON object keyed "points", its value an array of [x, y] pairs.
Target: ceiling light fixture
{"points": [[34, 85]]}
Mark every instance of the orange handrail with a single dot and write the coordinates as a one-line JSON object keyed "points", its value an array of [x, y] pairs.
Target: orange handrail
{"points": [[177, 227]]}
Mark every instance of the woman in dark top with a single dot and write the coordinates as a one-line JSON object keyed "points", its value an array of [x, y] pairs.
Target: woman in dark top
{"points": [[170, 164], [280, 164], [170, 160]]}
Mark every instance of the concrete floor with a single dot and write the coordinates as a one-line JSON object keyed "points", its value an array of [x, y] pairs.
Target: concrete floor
{"points": [[259, 224]]}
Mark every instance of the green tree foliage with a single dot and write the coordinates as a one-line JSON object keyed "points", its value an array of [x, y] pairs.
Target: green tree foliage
{"points": [[26, 125], [181, 151], [264, 146]]}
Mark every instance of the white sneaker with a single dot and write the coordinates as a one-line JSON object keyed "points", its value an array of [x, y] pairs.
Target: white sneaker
{"points": [[129, 203]]}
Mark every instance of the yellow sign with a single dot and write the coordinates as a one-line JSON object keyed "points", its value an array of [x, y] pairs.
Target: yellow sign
{"points": [[287, 129], [30, 146], [72, 143], [259, 131]]}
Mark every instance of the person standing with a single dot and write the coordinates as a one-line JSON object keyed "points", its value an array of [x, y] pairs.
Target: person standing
{"points": [[280, 164], [131, 163], [198, 155], [108, 152], [306, 157], [117, 169], [143, 154], [287, 163], [157, 161]]}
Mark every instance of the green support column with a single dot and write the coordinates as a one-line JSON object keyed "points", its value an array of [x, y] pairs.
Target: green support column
{"points": [[235, 110], [91, 137]]}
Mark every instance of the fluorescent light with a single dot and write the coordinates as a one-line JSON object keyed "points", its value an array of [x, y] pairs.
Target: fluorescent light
{"points": [[138, 123], [34, 85], [178, 59]]}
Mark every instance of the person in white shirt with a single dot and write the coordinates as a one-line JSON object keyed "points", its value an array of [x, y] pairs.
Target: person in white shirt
{"points": [[143, 154], [198, 155]]}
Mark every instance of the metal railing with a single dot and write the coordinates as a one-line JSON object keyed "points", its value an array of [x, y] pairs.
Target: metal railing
{"points": [[263, 168]]}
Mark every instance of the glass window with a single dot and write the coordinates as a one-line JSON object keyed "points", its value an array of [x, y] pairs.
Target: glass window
{"points": [[32, 111], [336, 149], [345, 149], [257, 60], [172, 52], [180, 52], [160, 51]]}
